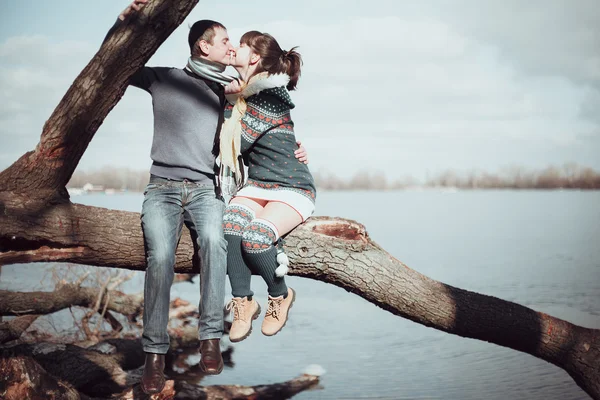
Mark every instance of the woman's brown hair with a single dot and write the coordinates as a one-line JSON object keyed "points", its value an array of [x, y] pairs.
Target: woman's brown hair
{"points": [[274, 60]]}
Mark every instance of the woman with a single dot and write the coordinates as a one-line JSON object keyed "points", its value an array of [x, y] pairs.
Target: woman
{"points": [[279, 193]]}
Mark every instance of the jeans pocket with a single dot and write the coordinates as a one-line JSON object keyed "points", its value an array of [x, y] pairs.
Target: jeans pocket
{"points": [[152, 186]]}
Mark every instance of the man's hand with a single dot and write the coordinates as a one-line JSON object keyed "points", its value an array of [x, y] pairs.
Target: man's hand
{"points": [[135, 5], [300, 153]]}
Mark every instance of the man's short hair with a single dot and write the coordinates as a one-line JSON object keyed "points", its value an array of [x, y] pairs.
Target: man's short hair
{"points": [[203, 30]]}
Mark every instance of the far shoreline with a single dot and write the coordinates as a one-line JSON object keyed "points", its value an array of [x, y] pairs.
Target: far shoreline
{"points": [[445, 189]]}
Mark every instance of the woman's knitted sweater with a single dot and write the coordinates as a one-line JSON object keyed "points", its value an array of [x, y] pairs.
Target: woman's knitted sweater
{"points": [[268, 144]]}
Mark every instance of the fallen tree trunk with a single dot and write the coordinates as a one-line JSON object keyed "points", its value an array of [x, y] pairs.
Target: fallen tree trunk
{"points": [[184, 391], [23, 374], [69, 295], [340, 252], [88, 371], [72, 294], [99, 300], [97, 371], [23, 378], [276, 391]]}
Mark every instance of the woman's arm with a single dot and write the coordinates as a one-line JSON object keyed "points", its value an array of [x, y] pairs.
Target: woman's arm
{"points": [[232, 91]]}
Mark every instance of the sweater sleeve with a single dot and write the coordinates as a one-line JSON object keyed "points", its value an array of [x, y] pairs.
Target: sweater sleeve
{"points": [[258, 120], [145, 76], [112, 29]]}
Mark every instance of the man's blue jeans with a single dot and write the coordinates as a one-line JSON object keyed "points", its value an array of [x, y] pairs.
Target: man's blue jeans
{"points": [[167, 206]]}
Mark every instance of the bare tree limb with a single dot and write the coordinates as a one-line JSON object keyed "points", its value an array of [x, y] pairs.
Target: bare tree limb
{"points": [[68, 295], [340, 252], [23, 378], [67, 133], [114, 323], [275, 391], [23, 375], [91, 372], [180, 278], [13, 329], [105, 365]]}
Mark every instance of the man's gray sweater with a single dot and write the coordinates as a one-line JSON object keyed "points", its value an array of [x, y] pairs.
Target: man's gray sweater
{"points": [[187, 115], [188, 112]]}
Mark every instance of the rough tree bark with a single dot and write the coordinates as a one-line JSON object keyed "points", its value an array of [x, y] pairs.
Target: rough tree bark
{"points": [[45, 171], [104, 373], [39, 224], [275, 391], [11, 330], [23, 374], [23, 378], [65, 296], [31, 305]]}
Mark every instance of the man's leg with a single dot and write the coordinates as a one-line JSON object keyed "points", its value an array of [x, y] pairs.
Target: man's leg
{"points": [[204, 213], [162, 220], [161, 224]]}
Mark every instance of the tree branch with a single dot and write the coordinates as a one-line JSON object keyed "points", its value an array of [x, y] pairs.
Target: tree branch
{"points": [[23, 378], [13, 329], [283, 390], [339, 252], [68, 295], [67, 133]]}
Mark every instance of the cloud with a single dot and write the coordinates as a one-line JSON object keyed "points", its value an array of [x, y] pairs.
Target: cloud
{"points": [[402, 87], [400, 83], [541, 38], [35, 72], [544, 37]]}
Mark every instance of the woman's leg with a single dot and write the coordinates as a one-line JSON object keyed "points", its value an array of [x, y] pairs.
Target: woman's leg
{"points": [[245, 309], [258, 239], [237, 216], [284, 217]]}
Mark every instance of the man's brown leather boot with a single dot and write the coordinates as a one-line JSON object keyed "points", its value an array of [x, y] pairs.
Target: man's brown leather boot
{"points": [[153, 379], [211, 361]]}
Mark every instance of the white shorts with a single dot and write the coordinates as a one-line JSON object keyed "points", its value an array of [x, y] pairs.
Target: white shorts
{"points": [[303, 206]]}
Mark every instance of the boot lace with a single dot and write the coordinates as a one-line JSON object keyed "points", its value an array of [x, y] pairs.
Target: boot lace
{"points": [[273, 308], [236, 306]]}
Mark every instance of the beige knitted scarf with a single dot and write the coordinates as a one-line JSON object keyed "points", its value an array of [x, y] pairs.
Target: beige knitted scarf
{"points": [[231, 172]]}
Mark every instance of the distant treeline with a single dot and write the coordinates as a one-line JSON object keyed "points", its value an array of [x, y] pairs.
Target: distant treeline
{"points": [[569, 176], [111, 178]]}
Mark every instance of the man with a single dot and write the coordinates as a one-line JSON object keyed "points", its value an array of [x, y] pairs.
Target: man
{"points": [[188, 112]]}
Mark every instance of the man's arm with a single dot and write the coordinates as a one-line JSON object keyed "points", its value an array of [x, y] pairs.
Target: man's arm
{"points": [[136, 5], [301, 153], [145, 77]]}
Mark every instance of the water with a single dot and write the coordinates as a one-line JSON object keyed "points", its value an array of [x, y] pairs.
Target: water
{"points": [[539, 249]]}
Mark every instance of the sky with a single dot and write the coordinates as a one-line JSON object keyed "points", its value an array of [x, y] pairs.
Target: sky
{"points": [[399, 87]]}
